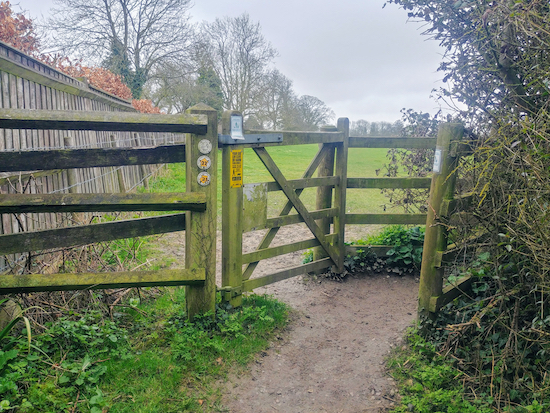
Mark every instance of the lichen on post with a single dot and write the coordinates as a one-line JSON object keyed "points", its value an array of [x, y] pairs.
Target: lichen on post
{"points": [[200, 234]]}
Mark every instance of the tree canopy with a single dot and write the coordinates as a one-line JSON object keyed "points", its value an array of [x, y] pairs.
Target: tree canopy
{"points": [[132, 38]]}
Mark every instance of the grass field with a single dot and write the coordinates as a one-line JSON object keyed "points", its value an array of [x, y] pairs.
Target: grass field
{"points": [[293, 160]]}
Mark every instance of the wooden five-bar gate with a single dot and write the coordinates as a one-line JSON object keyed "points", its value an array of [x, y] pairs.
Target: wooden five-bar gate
{"points": [[244, 206]]}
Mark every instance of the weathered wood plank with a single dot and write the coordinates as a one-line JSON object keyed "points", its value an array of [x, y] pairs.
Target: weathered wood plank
{"points": [[328, 181], [16, 284], [392, 142], [414, 219], [267, 253], [297, 138], [19, 203], [88, 234], [296, 202], [379, 183], [284, 220], [449, 293], [101, 121], [200, 237], [89, 158], [250, 285], [232, 219], [323, 199], [435, 238], [340, 193]]}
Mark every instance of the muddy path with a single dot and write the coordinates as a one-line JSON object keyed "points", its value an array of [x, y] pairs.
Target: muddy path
{"points": [[331, 356]]}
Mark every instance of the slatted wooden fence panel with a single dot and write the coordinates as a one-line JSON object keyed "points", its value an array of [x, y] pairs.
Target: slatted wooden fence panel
{"points": [[26, 83]]}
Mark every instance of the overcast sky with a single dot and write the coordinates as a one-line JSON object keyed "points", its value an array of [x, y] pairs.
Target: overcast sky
{"points": [[363, 61]]}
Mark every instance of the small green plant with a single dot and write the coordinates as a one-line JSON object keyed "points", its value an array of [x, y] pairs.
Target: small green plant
{"points": [[307, 256], [407, 250], [428, 382]]}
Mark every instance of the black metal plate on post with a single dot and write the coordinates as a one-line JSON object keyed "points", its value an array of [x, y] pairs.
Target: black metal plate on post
{"points": [[252, 138]]}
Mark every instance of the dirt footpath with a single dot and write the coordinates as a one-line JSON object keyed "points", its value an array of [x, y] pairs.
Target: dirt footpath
{"points": [[331, 358]]}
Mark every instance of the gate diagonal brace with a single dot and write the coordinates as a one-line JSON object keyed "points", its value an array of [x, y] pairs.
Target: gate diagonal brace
{"points": [[270, 236], [297, 203]]}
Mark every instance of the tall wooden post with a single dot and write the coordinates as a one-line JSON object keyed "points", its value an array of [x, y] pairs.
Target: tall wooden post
{"points": [[340, 191], [119, 172], [232, 216], [435, 239], [142, 168], [200, 232], [324, 193], [72, 180]]}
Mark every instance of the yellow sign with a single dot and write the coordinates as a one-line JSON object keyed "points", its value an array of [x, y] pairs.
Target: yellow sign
{"points": [[236, 175]]}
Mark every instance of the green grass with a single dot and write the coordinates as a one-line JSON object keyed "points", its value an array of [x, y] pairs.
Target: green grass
{"points": [[149, 359], [292, 160]]}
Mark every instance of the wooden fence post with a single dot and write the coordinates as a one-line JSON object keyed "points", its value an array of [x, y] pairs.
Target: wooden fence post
{"points": [[200, 232], [72, 180], [340, 191], [119, 174], [232, 216], [324, 193], [435, 239], [142, 168]]}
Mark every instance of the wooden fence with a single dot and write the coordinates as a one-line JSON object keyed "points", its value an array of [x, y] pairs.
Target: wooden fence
{"points": [[26, 83], [199, 200], [244, 207]]}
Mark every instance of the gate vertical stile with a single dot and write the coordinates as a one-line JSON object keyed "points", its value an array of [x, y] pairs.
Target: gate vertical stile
{"points": [[232, 222], [435, 239], [324, 193], [200, 233], [340, 192]]}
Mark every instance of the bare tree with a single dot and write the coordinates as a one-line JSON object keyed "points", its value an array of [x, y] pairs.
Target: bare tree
{"points": [[239, 54], [130, 37], [310, 113], [174, 91], [276, 101]]}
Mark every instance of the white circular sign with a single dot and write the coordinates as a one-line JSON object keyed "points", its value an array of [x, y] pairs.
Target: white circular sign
{"points": [[203, 179], [204, 162], [205, 146]]}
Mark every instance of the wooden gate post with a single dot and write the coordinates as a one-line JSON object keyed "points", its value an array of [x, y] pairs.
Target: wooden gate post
{"points": [[200, 232], [340, 191], [232, 217], [435, 239], [324, 193]]}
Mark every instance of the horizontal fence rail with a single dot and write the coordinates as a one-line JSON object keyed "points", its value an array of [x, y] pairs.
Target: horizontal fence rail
{"points": [[389, 183], [392, 142], [101, 121], [87, 234], [27, 283], [89, 158], [185, 201]]}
